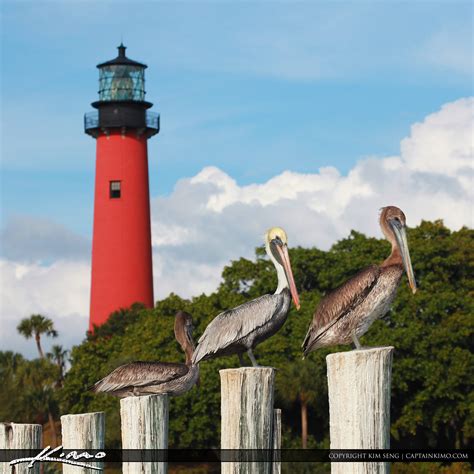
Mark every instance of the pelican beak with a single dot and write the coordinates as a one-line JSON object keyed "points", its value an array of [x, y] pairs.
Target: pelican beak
{"points": [[285, 258], [400, 234]]}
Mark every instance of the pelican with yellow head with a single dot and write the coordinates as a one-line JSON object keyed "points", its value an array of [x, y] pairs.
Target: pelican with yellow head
{"points": [[241, 329]]}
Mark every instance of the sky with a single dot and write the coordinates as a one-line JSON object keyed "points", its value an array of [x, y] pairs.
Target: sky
{"points": [[308, 115]]}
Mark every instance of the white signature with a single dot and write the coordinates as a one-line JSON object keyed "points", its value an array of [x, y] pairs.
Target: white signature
{"points": [[70, 458]]}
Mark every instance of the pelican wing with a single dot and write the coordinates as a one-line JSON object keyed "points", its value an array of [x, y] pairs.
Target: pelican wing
{"points": [[340, 302], [233, 325], [140, 374]]}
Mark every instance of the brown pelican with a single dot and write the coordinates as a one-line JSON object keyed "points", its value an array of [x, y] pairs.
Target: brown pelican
{"points": [[346, 313], [147, 378], [242, 328]]}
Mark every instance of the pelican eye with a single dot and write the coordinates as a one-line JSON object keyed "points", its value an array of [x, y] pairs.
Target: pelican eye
{"points": [[278, 240], [396, 221]]}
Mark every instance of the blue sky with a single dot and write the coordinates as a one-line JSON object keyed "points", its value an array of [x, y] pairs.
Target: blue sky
{"points": [[253, 88]]}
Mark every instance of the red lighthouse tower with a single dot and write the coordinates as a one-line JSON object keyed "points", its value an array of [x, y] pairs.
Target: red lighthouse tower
{"points": [[121, 245]]}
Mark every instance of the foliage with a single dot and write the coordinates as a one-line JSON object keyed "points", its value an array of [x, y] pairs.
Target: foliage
{"points": [[432, 396], [303, 390], [431, 468], [28, 394], [35, 326], [58, 356], [117, 322]]}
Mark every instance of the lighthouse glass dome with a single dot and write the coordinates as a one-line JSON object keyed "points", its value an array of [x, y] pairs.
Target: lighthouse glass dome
{"points": [[122, 82], [121, 79], [121, 105]]}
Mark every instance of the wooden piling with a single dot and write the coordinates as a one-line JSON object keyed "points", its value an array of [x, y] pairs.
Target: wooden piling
{"points": [[359, 405], [82, 432], [247, 415], [276, 468], [144, 426], [20, 436]]}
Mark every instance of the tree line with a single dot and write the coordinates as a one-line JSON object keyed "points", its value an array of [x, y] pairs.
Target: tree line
{"points": [[432, 332]]}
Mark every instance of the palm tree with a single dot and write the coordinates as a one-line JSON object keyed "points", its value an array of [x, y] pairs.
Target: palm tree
{"points": [[37, 395], [37, 325], [298, 384], [9, 365], [58, 356], [9, 361]]}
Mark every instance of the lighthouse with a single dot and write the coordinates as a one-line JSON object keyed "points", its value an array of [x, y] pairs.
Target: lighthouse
{"points": [[121, 245]]}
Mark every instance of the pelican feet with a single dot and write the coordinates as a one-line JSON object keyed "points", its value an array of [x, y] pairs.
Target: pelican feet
{"points": [[252, 358], [358, 345], [356, 341]]}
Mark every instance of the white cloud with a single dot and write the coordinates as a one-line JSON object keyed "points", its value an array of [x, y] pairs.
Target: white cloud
{"points": [[59, 290], [450, 49], [33, 238], [172, 275], [219, 220], [209, 219], [443, 143]]}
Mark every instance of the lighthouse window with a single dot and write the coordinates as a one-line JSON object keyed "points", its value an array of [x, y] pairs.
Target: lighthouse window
{"points": [[115, 187]]}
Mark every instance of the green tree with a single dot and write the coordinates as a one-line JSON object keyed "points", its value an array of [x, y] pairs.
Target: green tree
{"points": [[432, 384], [298, 384], [36, 379], [58, 357], [9, 364], [35, 326], [37, 395], [28, 392]]}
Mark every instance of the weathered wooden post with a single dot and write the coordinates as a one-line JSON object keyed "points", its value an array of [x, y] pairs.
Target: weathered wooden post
{"points": [[82, 432], [20, 436], [247, 415], [145, 426], [276, 468], [359, 405]]}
